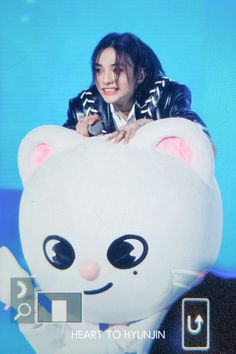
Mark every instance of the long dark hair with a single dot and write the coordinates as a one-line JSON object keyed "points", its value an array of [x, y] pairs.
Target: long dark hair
{"points": [[127, 45]]}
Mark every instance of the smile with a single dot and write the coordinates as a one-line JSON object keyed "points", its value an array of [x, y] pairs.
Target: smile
{"points": [[110, 91], [97, 291]]}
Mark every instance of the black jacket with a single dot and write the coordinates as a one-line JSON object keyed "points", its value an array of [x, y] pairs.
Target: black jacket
{"points": [[166, 98]]}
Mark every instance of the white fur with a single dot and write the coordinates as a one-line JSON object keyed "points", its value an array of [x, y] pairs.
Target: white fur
{"points": [[91, 192]]}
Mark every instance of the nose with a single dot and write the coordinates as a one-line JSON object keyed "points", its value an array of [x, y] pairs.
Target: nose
{"points": [[89, 270], [108, 77]]}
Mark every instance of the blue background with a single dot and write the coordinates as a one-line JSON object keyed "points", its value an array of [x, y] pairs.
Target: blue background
{"points": [[45, 60]]}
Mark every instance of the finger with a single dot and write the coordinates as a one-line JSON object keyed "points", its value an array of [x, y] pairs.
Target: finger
{"points": [[127, 136], [83, 129], [92, 119], [77, 127], [85, 122], [120, 136], [130, 134], [82, 125], [112, 136]]}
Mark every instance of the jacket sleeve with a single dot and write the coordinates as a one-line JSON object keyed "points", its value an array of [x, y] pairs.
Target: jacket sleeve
{"points": [[176, 102], [74, 112], [81, 106]]}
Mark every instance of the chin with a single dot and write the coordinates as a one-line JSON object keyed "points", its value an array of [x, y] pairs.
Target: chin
{"points": [[109, 99]]}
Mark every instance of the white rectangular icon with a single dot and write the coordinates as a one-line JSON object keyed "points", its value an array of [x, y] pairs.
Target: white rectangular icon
{"points": [[59, 307], [59, 310]]}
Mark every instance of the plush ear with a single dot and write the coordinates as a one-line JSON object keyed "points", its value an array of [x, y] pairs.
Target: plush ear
{"points": [[182, 139], [42, 143]]}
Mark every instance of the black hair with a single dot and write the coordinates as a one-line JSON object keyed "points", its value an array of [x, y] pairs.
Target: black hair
{"points": [[127, 45]]}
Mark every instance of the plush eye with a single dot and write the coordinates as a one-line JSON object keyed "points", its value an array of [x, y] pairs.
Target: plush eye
{"points": [[58, 251], [127, 251]]}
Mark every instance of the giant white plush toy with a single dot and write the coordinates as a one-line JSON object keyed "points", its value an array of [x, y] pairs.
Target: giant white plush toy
{"points": [[130, 226]]}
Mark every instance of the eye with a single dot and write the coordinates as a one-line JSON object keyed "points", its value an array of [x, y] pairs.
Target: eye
{"points": [[118, 70], [58, 252], [98, 69], [127, 251]]}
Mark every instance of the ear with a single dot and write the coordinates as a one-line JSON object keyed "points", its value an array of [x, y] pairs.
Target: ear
{"points": [[141, 76], [42, 143], [181, 139]]}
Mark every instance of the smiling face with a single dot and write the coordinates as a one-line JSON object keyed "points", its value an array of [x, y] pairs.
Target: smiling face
{"points": [[115, 81], [79, 246], [125, 252]]}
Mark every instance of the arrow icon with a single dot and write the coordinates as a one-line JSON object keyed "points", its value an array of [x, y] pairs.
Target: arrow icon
{"points": [[195, 324], [199, 323]]}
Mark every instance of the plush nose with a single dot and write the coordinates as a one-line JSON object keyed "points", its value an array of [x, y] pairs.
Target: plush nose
{"points": [[89, 270]]}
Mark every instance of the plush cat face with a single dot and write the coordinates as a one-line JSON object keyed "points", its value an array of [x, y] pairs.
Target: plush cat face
{"points": [[129, 226]]}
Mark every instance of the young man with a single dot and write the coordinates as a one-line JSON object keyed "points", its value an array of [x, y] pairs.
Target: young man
{"points": [[129, 90]]}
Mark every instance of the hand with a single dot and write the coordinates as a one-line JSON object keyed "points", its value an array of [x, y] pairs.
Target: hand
{"points": [[128, 131], [82, 126]]}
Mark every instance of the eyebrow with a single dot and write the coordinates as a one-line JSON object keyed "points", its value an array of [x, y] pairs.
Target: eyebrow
{"points": [[116, 64]]}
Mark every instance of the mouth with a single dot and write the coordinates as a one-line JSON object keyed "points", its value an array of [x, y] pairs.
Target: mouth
{"points": [[100, 290], [110, 91]]}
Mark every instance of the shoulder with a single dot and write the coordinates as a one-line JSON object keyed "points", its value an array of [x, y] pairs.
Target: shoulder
{"points": [[160, 86], [176, 91], [166, 84], [168, 90], [162, 92]]}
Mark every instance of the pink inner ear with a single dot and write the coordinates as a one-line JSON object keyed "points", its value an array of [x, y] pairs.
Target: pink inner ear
{"points": [[177, 147], [40, 153]]}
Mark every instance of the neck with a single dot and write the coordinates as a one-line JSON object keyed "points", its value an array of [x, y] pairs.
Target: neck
{"points": [[124, 111]]}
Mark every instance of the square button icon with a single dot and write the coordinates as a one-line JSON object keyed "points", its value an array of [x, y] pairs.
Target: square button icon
{"points": [[59, 307], [195, 324]]}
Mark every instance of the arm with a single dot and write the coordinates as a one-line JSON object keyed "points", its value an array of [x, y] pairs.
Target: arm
{"points": [[72, 119], [82, 113], [80, 106], [75, 113], [175, 101]]}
